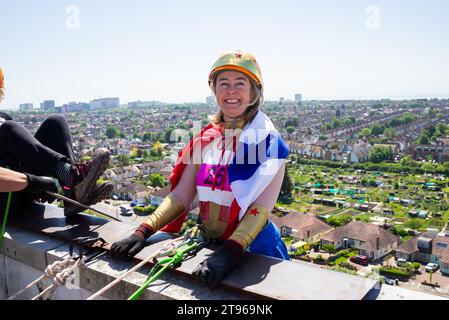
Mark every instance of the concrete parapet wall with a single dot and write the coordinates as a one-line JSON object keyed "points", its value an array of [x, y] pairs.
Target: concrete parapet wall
{"points": [[24, 256]]}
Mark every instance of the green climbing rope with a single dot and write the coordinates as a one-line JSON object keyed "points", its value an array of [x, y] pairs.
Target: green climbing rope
{"points": [[164, 264], [5, 217]]}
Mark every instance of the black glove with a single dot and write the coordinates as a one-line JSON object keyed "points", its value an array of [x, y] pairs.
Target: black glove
{"points": [[212, 270], [128, 247], [37, 185]]}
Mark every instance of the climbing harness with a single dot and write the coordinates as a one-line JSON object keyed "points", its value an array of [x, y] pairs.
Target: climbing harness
{"points": [[193, 241], [60, 271]]}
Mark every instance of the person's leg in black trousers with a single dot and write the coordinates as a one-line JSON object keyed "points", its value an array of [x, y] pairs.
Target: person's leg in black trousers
{"points": [[50, 152], [54, 133], [22, 150]]}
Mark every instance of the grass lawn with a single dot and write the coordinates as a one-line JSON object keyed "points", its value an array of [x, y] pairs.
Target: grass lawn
{"points": [[365, 217], [406, 238], [341, 259], [345, 258]]}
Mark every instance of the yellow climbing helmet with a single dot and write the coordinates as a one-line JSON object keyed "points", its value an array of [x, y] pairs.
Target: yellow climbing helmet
{"points": [[1, 78], [243, 62], [1, 83]]}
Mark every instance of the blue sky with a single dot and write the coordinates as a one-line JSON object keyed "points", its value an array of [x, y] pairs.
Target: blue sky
{"points": [[162, 50]]}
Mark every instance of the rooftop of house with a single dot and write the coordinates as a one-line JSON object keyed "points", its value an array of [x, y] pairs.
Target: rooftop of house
{"points": [[368, 233], [440, 245], [302, 223]]}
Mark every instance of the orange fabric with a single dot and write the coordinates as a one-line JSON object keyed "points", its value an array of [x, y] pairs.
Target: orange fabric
{"points": [[237, 68], [1, 78]]}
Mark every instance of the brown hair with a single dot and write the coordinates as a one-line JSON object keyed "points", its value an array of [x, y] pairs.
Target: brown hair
{"points": [[250, 112]]}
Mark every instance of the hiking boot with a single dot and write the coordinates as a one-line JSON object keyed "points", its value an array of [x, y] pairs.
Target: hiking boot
{"points": [[88, 174], [99, 192]]}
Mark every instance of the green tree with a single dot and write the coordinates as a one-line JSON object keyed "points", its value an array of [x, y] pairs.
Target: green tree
{"points": [[335, 123], [407, 117], [364, 133], [379, 154], [156, 180], [424, 138], [442, 128], [390, 133], [292, 122], [167, 134], [377, 129], [285, 195], [112, 132], [157, 149], [290, 130]]}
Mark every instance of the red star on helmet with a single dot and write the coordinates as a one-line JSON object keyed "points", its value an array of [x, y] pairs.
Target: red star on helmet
{"points": [[254, 211], [238, 55]]}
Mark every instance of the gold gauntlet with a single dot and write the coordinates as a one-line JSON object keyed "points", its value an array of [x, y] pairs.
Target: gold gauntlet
{"points": [[168, 210], [249, 227]]}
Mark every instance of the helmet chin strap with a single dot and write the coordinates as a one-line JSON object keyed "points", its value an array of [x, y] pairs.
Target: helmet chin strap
{"points": [[234, 123]]}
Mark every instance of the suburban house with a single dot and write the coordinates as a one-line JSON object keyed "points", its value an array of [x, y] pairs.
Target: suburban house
{"points": [[439, 152], [425, 248], [166, 171], [137, 193], [360, 153], [371, 240], [301, 227]]}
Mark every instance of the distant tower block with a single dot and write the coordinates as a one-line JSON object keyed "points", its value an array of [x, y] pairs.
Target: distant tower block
{"points": [[210, 101], [26, 107], [298, 99], [48, 105]]}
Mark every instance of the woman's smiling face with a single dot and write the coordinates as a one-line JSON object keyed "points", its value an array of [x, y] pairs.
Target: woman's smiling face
{"points": [[233, 93]]}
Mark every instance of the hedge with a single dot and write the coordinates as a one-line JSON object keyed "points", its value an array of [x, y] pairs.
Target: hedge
{"points": [[385, 271], [370, 166]]}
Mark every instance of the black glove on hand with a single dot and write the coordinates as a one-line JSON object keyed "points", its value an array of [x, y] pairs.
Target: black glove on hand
{"points": [[212, 270], [129, 247], [37, 185]]}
